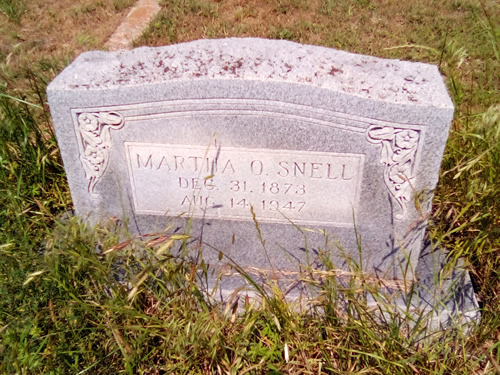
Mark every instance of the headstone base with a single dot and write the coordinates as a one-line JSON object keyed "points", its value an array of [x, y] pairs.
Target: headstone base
{"points": [[441, 298]]}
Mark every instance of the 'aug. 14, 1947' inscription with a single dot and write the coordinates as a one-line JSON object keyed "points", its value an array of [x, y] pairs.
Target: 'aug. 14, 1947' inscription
{"points": [[223, 183]]}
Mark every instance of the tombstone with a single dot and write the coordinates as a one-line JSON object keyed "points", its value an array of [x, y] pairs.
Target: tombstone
{"points": [[282, 154]]}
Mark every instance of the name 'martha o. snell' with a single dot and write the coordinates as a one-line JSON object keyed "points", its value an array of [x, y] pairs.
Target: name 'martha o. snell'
{"points": [[284, 168]]}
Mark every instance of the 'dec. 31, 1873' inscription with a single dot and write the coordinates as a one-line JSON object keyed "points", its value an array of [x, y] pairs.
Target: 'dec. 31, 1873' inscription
{"points": [[280, 185]]}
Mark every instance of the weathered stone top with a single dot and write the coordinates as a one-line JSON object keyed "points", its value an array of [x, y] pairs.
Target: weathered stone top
{"points": [[368, 77]]}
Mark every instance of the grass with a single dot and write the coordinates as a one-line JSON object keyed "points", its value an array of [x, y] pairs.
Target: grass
{"points": [[12, 9], [77, 300]]}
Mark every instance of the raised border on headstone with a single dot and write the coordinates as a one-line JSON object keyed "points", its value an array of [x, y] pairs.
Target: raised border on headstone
{"points": [[282, 153]]}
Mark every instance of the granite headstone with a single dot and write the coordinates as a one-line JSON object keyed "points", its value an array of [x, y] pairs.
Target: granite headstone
{"points": [[280, 152]]}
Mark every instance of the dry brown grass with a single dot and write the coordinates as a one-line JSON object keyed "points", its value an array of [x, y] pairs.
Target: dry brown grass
{"points": [[360, 26], [58, 29]]}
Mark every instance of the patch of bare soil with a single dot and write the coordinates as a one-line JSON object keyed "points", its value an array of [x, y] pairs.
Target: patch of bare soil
{"points": [[133, 25]]}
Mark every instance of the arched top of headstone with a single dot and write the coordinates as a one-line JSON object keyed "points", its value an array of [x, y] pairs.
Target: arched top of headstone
{"points": [[255, 59]]}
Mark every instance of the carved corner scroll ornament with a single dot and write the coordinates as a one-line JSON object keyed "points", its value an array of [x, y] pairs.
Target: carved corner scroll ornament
{"points": [[399, 150], [95, 141]]}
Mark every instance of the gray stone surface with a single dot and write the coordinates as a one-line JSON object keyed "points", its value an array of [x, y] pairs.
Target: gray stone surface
{"points": [[337, 154], [443, 292], [441, 297]]}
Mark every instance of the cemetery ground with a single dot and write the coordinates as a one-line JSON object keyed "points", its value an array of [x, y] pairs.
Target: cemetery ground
{"points": [[63, 311]]}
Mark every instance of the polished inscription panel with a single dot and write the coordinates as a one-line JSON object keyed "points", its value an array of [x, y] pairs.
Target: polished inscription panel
{"points": [[280, 186]]}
